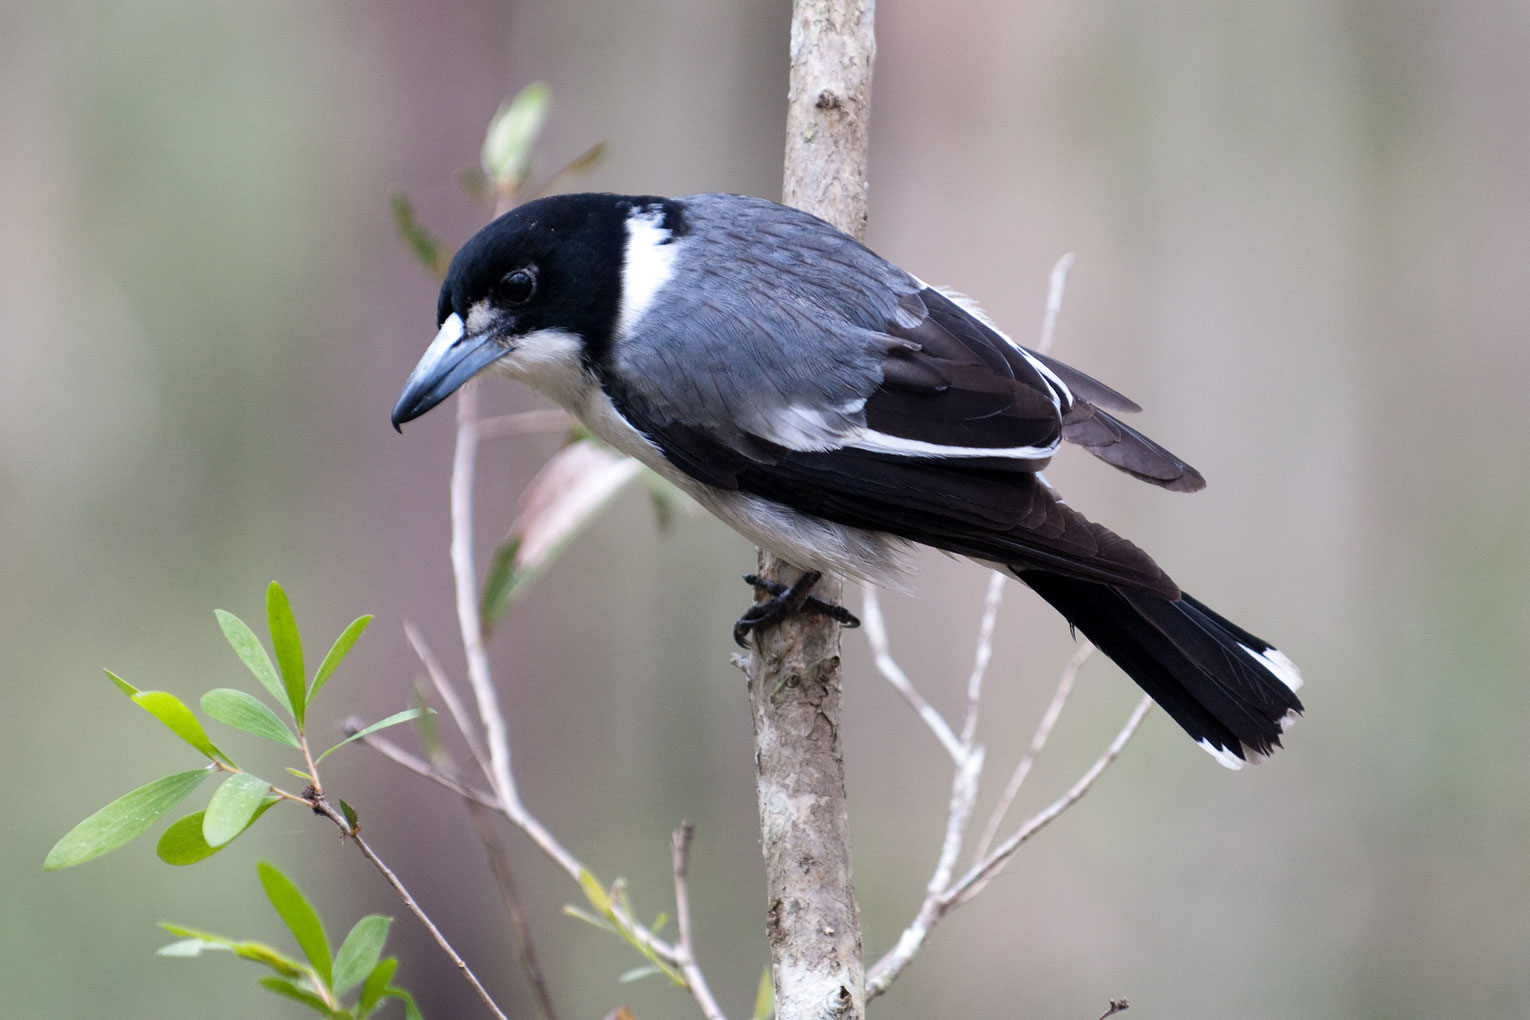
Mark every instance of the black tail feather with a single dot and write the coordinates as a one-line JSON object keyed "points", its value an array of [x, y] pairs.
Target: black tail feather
{"points": [[1232, 692]]}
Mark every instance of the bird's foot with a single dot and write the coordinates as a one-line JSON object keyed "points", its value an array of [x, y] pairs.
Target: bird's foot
{"points": [[787, 600]]}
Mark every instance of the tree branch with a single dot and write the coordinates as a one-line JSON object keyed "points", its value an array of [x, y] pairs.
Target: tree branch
{"points": [[794, 677]]}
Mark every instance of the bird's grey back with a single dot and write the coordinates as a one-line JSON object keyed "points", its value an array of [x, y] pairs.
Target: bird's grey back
{"points": [[772, 324]]}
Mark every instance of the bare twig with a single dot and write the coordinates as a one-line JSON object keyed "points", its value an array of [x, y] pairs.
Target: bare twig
{"points": [[1058, 282], [876, 636], [504, 878], [450, 699], [1116, 1006], [420, 767], [972, 883], [1038, 742], [543, 419], [685, 949], [323, 807]]}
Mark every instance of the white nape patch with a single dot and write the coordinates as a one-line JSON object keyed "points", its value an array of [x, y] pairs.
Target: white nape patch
{"points": [[648, 265], [451, 331], [1224, 757], [1281, 667], [880, 442]]}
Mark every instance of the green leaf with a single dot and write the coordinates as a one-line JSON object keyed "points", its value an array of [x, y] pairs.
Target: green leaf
{"points": [[233, 806], [589, 918], [376, 984], [359, 952], [172, 711], [352, 819], [295, 990], [183, 843], [243, 640], [122, 685], [429, 251], [764, 997], [393, 720], [337, 653], [512, 135], [638, 973], [501, 585], [259, 952], [411, 1011], [289, 649], [183, 947], [299, 916], [244, 711], [122, 819]]}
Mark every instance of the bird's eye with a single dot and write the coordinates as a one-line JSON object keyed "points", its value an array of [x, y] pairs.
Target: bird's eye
{"points": [[517, 286]]}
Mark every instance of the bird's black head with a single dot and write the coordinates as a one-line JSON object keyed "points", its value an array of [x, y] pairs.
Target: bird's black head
{"points": [[541, 283]]}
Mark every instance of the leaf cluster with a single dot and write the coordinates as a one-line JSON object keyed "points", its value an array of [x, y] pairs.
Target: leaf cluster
{"points": [[320, 980]]}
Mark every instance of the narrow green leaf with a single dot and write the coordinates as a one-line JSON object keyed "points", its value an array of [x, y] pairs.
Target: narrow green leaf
{"points": [[352, 819], [289, 649], [425, 247], [243, 640], [337, 653], [360, 952], [259, 952], [292, 989], [393, 720], [172, 711], [594, 891], [376, 984], [765, 997], [122, 685], [589, 918], [411, 1011], [299, 916], [501, 584], [183, 843], [638, 973], [512, 135], [244, 711], [233, 806], [122, 819], [185, 948]]}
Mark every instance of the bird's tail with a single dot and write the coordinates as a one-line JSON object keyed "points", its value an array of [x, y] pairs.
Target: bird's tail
{"points": [[1231, 691]]}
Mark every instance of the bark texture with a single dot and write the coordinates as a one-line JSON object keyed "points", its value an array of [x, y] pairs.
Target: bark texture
{"points": [[794, 675]]}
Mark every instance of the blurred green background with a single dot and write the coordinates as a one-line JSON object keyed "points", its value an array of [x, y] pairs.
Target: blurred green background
{"points": [[1303, 235]]}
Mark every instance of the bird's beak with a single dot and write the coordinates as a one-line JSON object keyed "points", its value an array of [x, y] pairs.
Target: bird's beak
{"points": [[452, 358]]}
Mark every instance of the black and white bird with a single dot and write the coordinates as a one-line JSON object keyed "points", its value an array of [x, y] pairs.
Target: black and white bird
{"points": [[838, 411]]}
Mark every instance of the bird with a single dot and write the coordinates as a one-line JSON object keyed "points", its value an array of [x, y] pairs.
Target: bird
{"points": [[838, 411]]}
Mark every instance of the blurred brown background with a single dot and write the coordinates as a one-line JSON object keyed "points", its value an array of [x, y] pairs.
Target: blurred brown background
{"points": [[1303, 233]]}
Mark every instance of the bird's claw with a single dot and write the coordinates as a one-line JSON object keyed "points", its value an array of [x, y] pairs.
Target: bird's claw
{"points": [[787, 600]]}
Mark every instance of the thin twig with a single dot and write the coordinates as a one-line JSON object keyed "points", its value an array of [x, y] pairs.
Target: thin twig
{"points": [[544, 419], [449, 698], [685, 949], [489, 714], [876, 636], [504, 878], [420, 767], [972, 883], [982, 656], [1038, 741], [1057, 283], [323, 806], [1116, 1006]]}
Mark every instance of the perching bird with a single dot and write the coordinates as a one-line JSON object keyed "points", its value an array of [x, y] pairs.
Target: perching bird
{"points": [[836, 411]]}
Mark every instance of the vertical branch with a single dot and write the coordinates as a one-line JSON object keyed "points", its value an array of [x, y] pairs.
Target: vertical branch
{"points": [[794, 677]]}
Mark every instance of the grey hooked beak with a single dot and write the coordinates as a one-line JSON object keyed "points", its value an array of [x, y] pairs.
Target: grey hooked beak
{"points": [[451, 360]]}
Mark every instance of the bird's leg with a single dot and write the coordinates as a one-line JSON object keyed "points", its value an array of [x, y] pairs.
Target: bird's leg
{"points": [[787, 600]]}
